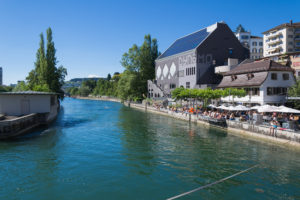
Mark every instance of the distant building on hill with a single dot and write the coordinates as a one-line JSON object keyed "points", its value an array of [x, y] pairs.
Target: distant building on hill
{"points": [[76, 82], [191, 60], [253, 43]]}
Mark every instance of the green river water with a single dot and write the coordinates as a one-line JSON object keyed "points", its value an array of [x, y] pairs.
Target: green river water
{"points": [[103, 150]]}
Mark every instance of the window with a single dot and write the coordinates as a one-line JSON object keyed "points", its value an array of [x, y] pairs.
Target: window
{"points": [[276, 91], [290, 36], [187, 85], [181, 73], [208, 58], [290, 50], [172, 86], [274, 76], [245, 37], [291, 43], [260, 50], [254, 43], [186, 72], [261, 44], [233, 77], [285, 76], [254, 50], [250, 76]]}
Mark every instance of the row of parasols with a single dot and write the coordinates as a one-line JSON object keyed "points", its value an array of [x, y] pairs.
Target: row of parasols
{"points": [[260, 109]]}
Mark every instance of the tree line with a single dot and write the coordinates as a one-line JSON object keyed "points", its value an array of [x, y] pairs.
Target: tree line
{"points": [[131, 84], [207, 94]]}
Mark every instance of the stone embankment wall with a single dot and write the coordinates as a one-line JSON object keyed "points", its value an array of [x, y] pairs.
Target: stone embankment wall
{"points": [[241, 128], [20, 125]]}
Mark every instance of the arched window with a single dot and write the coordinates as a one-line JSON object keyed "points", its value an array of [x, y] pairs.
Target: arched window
{"points": [[260, 50], [254, 50]]}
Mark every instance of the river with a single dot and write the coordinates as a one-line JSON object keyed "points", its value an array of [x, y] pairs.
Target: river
{"points": [[103, 150]]}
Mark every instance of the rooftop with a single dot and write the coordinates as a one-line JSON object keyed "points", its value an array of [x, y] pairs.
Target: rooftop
{"points": [[28, 93], [188, 42], [258, 66], [291, 24]]}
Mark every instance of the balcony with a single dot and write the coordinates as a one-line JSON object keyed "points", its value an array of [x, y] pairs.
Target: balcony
{"points": [[276, 41], [274, 35]]}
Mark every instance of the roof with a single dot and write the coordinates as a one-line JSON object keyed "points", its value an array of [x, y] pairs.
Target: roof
{"points": [[28, 93], [283, 26], [187, 42], [242, 80], [258, 66]]}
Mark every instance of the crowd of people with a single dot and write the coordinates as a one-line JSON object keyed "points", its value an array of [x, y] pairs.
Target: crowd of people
{"points": [[273, 120]]}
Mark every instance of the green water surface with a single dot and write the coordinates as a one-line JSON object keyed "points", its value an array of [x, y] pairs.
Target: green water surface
{"points": [[103, 150]]}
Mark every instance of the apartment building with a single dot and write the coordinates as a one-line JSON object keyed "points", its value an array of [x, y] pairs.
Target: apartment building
{"points": [[253, 43], [282, 39]]}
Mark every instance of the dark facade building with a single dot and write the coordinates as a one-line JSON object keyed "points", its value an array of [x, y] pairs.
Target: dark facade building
{"points": [[190, 60]]}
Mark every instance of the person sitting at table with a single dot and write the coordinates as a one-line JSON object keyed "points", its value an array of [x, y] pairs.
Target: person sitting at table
{"points": [[232, 117]]}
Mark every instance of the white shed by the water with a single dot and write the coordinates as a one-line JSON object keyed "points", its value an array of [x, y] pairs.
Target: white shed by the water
{"points": [[27, 102]]}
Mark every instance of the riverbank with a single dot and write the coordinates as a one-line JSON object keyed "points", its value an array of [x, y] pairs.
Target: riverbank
{"points": [[245, 130], [285, 138]]}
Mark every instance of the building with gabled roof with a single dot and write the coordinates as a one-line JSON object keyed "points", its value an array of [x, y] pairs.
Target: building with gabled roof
{"points": [[266, 82], [190, 61]]}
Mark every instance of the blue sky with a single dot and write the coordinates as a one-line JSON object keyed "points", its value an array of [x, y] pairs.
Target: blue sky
{"points": [[91, 36]]}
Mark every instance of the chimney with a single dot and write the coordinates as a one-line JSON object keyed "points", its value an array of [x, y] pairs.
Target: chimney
{"points": [[291, 22]]}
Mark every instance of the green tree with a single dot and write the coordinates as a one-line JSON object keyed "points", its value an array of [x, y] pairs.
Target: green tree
{"points": [[108, 77], [294, 91], [139, 64], [47, 76], [21, 86]]}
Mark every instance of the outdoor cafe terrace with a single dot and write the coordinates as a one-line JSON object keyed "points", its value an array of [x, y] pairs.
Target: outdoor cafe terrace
{"points": [[275, 118]]}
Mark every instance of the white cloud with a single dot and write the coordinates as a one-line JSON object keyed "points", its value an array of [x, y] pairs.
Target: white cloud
{"points": [[93, 76]]}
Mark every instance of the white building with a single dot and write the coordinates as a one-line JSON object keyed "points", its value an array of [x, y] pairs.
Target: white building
{"points": [[253, 43], [266, 82], [24, 103], [282, 39]]}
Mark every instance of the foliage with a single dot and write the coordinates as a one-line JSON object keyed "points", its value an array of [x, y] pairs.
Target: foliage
{"points": [[108, 77], [46, 76], [206, 94], [21, 86], [5, 88], [139, 64], [294, 91]]}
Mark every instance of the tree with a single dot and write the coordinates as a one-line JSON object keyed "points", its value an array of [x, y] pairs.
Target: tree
{"points": [[294, 91], [108, 77], [21, 86], [240, 29], [46, 76], [139, 63]]}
